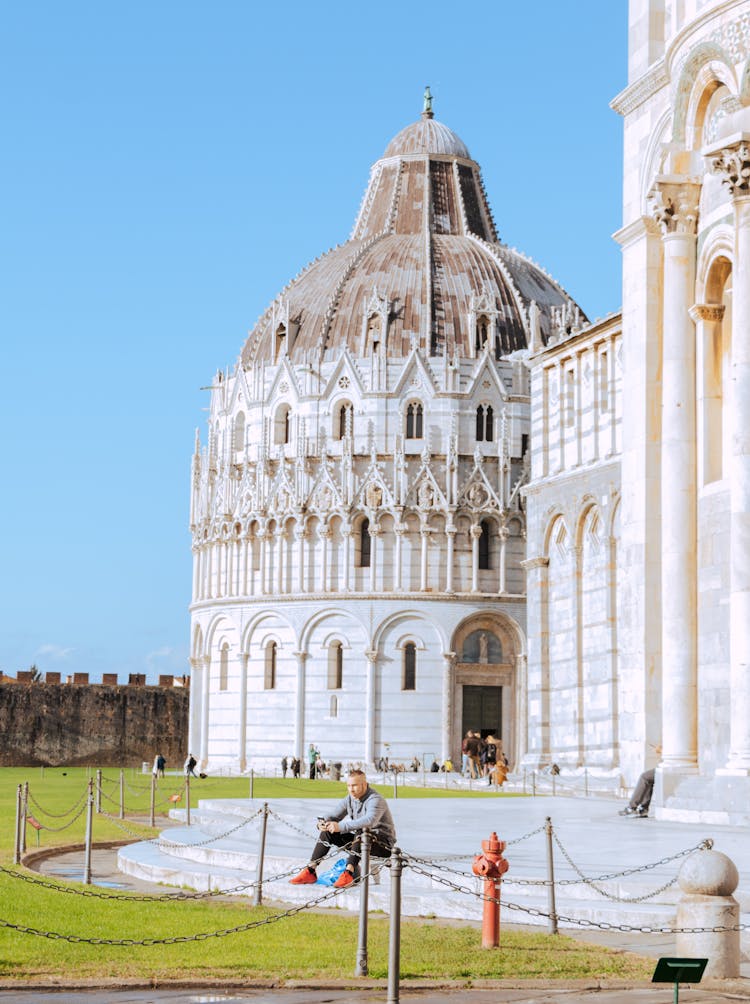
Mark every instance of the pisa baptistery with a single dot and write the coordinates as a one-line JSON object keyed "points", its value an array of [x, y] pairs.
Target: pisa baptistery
{"points": [[357, 516]]}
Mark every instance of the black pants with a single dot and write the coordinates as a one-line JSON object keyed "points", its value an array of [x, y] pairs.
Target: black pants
{"points": [[352, 842], [644, 789]]}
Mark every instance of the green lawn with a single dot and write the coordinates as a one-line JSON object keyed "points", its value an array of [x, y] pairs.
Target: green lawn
{"points": [[321, 945]]}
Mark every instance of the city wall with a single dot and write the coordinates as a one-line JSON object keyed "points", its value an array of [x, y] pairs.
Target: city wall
{"points": [[103, 725]]}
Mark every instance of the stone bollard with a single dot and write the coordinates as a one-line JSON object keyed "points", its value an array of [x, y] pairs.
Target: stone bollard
{"points": [[707, 880]]}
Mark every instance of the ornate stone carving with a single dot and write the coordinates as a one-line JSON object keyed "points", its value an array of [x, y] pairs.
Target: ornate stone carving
{"points": [[710, 312], [733, 164], [373, 495], [674, 206]]}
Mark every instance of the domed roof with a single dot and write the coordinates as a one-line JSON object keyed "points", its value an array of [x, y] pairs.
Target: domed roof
{"points": [[424, 256], [427, 136]]}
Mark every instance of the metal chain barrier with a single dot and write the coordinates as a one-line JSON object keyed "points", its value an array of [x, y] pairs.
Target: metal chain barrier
{"points": [[175, 939], [164, 842], [56, 815], [59, 829]]}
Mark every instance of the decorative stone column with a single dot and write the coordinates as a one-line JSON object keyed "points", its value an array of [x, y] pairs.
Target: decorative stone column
{"points": [[196, 572], [450, 533], [399, 530], [370, 697], [476, 533], [346, 533], [242, 738], [203, 755], [324, 534], [263, 538], [732, 162], [503, 538], [707, 318], [374, 532], [299, 707], [424, 534], [447, 708], [675, 208], [300, 535]]}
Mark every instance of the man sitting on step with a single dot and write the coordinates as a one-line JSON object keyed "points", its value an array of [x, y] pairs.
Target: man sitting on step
{"points": [[362, 807]]}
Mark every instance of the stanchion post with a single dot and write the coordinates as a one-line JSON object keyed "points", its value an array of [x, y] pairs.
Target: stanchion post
{"points": [[533, 783], [258, 895], [395, 784], [98, 789], [524, 780], [24, 814], [252, 782], [17, 844], [394, 939], [586, 781], [550, 878], [122, 793], [424, 779], [554, 783], [152, 800], [364, 893], [187, 798], [89, 830]]}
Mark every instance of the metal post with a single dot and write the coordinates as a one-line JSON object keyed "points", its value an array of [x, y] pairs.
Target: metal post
{"points": [[98, 789], [89, 828], [394, 940], [252, 783], [533, 782], [395, 784], [152, 800], [424, 780], [258, 896], [364, 892], [445, 773], [550, 878], [17, 845], [24, 814], [122, 794], [524, 780], [586, 781], [554, 779], [187, 797]]}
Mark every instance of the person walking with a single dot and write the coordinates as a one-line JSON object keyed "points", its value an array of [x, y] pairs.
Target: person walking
{"points": [[312, 759], [190, 765], [362, 807], [159, 764]]}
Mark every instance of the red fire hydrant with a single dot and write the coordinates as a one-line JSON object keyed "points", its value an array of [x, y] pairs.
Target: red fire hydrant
{"points": [[491, 866]]}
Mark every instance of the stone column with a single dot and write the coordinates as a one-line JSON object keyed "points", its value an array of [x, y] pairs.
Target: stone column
{"points": [[560, 416], [242, 739], [424, 533], [476, 533], [325, 537], [229, 564], [611, 398], [733, 163], [450, 533], [374, 532], [196, 567], [399, 529], [263, 538], [280, 559], [447, 709], [299, 709], [203, 755], [346, 534], [247, 554], [300, 536], [675, 209], [503, 538], [371, 694], [209, 571], [708, 318]]}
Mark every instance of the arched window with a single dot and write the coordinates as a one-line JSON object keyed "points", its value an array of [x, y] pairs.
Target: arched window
{"points": [[280, 341], [409, 677], [269, 676], [485, 424], [224, 667], [335, 666], [345, 420], [364, 544], [239, 431], [484, 545], [414, 421], [281, 425], [333, 708]]}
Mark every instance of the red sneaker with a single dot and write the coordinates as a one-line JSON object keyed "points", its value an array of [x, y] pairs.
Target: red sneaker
{"points": [[305, 877], [344, 879]]}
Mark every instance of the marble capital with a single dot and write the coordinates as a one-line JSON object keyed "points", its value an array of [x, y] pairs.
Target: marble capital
{"points": [[732, 164], [674, 206]]}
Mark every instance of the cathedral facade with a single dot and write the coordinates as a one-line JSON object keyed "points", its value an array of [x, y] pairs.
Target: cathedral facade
{"points": [[434, 497]]}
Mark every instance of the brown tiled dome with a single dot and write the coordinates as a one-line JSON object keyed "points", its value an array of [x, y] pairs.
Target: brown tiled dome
{"points": [[425, 241]]}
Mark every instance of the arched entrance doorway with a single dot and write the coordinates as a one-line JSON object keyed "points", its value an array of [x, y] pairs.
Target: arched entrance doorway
{"points": [[485, 684]]}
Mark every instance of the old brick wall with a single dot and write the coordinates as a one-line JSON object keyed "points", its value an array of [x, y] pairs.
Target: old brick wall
{"points": [[105, 726]]}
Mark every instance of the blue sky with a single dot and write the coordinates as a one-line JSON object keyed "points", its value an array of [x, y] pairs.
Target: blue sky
{"points": [[167, 167]]}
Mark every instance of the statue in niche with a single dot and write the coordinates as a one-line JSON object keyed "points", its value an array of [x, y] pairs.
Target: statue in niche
{"points": [[483, 647], [373, 496], [425, 495], [477, 496]]}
